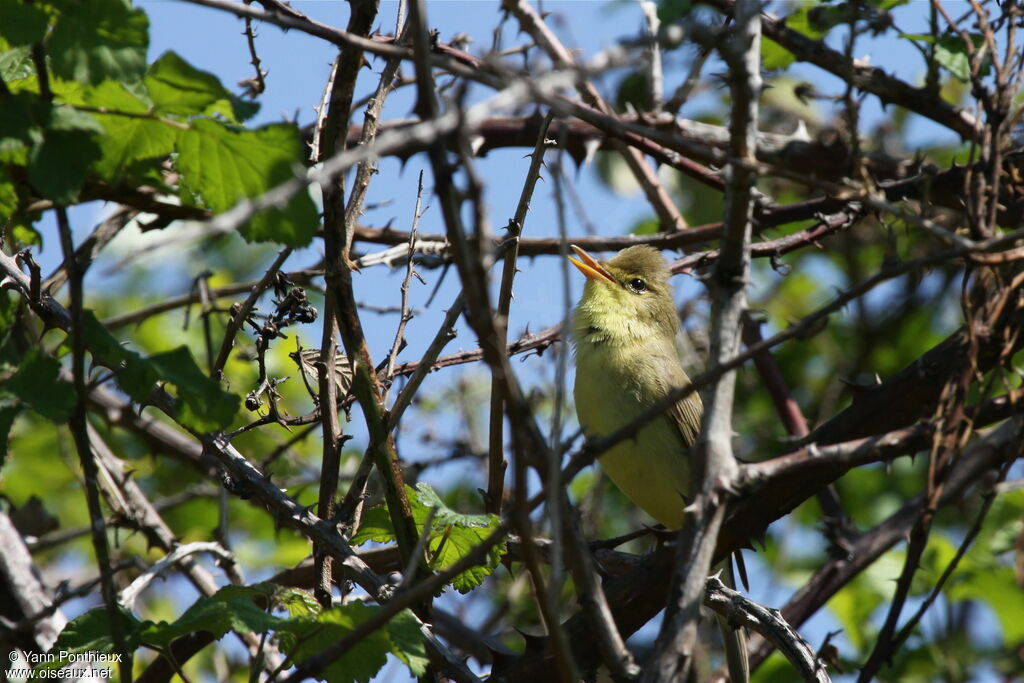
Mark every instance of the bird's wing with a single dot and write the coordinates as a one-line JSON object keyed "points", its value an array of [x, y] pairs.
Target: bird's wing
{"points": [[685, 414]]}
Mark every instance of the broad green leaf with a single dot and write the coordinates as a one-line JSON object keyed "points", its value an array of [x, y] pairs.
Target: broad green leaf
{"points": [[230, 609], [646, 226], [376, 526], [633, 91], [773, 55], [57, 166], [37, 383], [224, 165], [452, 534], [24, 234], [299, 603], [15, 64], [454, 543], [22, 23], [176, 87], [99, 39], [68, 120], [62, 149], [127, 139], [407, 642], [91, 633], [1004, 524], [17, 120], [951, 53], [445, 516], [309, 637], [202, 404]]}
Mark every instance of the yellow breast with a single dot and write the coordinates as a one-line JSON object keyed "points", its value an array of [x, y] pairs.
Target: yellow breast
{"points": [[611, 389]]}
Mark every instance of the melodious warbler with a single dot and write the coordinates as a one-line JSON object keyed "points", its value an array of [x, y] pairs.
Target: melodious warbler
{"points": [[624, 332]]}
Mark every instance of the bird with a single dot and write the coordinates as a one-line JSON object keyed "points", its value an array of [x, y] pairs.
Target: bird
{"points": [[624, 341]]}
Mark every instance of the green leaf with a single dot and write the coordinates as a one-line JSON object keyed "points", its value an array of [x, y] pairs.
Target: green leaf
{"points": [[298, 602], [455, 543], [407, 642], [309, 637], [99, 39], [229, 609], [58, 165], [16, 64], [176, 87], [17, 119], [68, 120], [951, 53], [633, 91], [127, 139], [63, 149], [223, 165], [646, 226], [8, 196], [773, 55], [452, 534], [91, 633], [203, 405], [445, 516], [671, 11], [38, 385], [22, 23], [25, 234]]}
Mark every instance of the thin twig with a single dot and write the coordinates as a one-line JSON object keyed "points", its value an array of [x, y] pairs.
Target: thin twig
{"points": [[496, 440], [399, 342], [79, 425], [243, 311]]}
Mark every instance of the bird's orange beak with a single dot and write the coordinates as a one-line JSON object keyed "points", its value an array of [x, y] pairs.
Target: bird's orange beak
{"points": [[589, 266]]}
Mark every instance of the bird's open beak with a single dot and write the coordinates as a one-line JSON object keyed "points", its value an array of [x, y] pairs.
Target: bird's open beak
{"points": [[589, 266]]}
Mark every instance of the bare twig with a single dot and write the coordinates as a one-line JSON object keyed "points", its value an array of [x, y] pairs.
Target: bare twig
{"points": [[399, 342], [131, 593], [496, 440]]}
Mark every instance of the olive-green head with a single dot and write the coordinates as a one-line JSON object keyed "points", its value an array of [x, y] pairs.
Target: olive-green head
{"points": [[627, 297]]}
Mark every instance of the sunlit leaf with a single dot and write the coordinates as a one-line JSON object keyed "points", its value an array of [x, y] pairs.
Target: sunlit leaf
{"points": [[130, 134], [223, 165]]}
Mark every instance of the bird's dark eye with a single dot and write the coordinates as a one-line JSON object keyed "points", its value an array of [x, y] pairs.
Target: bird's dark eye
{"points": [[638, 285]]}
